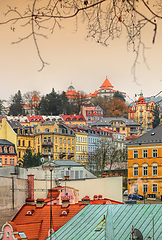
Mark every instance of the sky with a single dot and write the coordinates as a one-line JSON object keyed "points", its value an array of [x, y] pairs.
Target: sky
{"points": [[74, 60]]}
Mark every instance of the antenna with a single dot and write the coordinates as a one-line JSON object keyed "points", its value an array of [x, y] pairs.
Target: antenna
{"points": [[137, 234]]}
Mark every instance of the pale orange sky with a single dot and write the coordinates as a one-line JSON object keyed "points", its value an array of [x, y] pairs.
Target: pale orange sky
{"points": [[72, 59]]}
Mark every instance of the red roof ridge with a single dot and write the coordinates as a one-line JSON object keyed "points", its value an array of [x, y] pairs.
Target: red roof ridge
{"points": [[106, 83]]}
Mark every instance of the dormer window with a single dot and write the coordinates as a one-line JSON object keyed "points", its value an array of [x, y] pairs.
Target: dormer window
{"points": [[30, 213], [64, 212]]}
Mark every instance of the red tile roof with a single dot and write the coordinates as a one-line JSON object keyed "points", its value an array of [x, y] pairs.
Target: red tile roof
{"points": [[37, 225], [35, 98], [106, 83], [73, 117], [35, 118]]}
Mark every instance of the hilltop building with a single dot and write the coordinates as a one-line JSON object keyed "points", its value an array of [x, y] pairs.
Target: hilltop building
{"points": [[142, 112]]}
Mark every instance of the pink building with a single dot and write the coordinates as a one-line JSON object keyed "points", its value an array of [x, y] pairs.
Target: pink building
{"points": [[92, 114]]}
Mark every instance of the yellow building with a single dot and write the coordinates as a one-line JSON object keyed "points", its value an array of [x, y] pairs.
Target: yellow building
{"points": [[81, 144], [145, 163], [55, 139], [142, 112], [77, 120], [22, 137]]}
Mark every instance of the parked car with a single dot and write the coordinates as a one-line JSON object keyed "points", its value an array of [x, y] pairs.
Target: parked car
{"points": [[135, 196], [125, 193]]}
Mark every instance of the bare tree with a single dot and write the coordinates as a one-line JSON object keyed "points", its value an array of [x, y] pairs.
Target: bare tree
{"points": [[105, 20]]}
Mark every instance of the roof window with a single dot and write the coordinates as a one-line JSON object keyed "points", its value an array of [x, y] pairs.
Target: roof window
{"points": [[152, 133]]}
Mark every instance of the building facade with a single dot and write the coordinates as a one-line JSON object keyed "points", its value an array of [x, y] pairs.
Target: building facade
{"points": [[91, 114], [8, 155], [145, 163], [142, 113]]}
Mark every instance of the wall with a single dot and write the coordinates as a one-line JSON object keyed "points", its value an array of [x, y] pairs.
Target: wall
{"points": [[6, 132], [90, 187], [13, 192]]}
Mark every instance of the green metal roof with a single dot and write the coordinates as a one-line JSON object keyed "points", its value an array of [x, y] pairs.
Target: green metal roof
{"points": [[112, 222]]}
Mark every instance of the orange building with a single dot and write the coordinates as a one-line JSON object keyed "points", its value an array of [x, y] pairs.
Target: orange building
{"points": [[8, 155], [142, 112], [145, 163]]}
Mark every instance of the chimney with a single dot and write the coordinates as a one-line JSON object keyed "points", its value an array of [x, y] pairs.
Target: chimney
{"points": [[86, 200], [99, 196], [31, 186], [39, 202], [65, 202], [95, 197]]}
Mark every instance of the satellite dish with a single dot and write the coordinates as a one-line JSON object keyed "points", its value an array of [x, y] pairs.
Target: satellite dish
{"points": [[42, 160], [138, 234]]}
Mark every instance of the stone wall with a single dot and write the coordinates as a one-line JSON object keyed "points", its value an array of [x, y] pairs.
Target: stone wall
{"points": [[13, 192]]}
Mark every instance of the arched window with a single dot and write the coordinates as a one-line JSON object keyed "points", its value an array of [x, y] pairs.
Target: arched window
{"points": [[145, 169], [135, 169], [154, 169]]}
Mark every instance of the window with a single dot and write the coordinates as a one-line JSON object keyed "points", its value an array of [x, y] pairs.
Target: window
{"points": [[154, 187], [76, 174], [55, 130], [60, 150], [144, 188], [23, 143], [0, 160], [49, 139], [154, 153], [45, 139], [45, 150], [154, 170], [72, 141], [69, 150], [60, 140], [55, 139], [10, 161], [6, 161], [13, 161], [29, 143], [144, 171], [19, 143], [64, 150], [55, 149], [68, 141], [19, 154], [144, 153], [46, 130], [49, 149], [135, 171], [135, 154]]}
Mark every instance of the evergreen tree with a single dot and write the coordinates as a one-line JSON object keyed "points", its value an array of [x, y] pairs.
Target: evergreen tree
{"points": [[156, 120], [119, 95], [30, 160], [16, 104]]}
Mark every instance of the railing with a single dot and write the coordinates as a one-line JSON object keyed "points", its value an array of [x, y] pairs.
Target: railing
{"points": [[47, 143]]}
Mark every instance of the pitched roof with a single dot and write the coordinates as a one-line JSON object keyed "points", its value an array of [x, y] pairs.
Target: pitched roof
{"points": [[35, 98], [112, 222], [153, 136], [105, 121], [107, 83], [73, 117], [37, 224]]}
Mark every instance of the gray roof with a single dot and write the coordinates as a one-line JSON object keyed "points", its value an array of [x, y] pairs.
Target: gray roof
{"points": [[153, 136], [68, 163], [6, 143], [15, 124], [105, 121], [112, 222]]}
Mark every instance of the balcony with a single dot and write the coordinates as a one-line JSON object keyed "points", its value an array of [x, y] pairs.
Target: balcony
{"points": [[133, 131], [46, 154], [62, 155], [50, 144], [141, 116], [149, 123], [149, 116], [70, 155]]}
